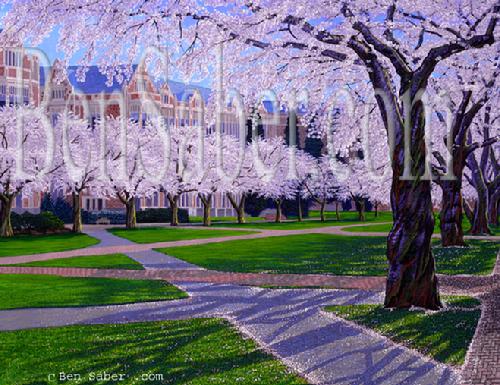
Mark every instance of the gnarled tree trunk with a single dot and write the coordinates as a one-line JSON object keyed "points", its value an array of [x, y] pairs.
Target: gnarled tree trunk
{"points": [[131, 217], [480, 220], [77, 213], [411, 280], [239, 207], [6, 203], [451, 215], [173, 200], [337, 214]]}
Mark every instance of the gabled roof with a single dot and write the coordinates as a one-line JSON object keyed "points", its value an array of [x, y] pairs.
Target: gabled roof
{"points": [[95, 83], [183, 91]]}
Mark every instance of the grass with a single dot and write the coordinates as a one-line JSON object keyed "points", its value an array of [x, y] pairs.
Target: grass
{"points": [[325, 254], [346, 218], [386, 227], [109, 261], [36, 244], [27, 290], [444, 335], [166, 234], [199, 219], [195, 352]]}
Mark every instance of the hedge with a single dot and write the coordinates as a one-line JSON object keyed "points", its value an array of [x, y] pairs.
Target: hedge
{"points": [[38, 223], [143, 216]]}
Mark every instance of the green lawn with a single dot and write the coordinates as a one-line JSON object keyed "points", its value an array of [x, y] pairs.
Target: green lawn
{"points": [[27, 290], [36, 244], [346, 218], [443, 335], [352, 216], [386, 227], [195, 352], [198, 219], [109, 261], [167, 234], [325, 253]]}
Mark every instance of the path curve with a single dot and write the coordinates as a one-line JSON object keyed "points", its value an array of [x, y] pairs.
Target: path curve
{"points": [[288, 323]]}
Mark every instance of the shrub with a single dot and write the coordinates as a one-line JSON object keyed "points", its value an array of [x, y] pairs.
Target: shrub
{"points": [[60, 207], [161, 215], [38, 223]]}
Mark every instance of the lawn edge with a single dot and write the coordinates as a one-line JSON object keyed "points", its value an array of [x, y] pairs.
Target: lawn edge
{"points": [[245, 333], [457, 369]]}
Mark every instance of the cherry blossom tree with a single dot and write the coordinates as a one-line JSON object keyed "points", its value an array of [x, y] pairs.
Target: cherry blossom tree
{"points": [[184, 166], [272, 157], [483, 172], [77, 145], [26, 158], [213, 176], [322, 184], [242, 183], [474, 84], [303, 164], [132, 157]]}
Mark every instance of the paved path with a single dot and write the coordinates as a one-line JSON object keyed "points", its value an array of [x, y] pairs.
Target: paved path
{"points": [[111, 244], [289, 323]]}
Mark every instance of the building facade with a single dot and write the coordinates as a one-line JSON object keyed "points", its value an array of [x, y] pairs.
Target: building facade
{"points": [[23, 80]]}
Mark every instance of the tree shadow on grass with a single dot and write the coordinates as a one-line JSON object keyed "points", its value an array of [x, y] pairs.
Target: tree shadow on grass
{"points": [[182, 351]]}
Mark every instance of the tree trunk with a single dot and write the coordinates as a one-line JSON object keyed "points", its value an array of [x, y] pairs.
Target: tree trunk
{"points": [[360, 206], [131, 214], [299, 209], [6, 204], [322, 211], [493, 208], [278, 211], [376, 209], [174, 200], [77, 213], [337, 214], [451, 215], [411, 280], [238, 207], [480, 220], [207, 203]]}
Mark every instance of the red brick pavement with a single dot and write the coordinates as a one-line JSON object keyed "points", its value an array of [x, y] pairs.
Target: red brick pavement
{"points": [[482, 366], [211, 276]]}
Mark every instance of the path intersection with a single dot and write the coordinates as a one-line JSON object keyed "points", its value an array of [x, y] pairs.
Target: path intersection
{"points": [[290, 324]]}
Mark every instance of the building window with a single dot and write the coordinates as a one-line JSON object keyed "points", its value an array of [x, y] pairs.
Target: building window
{"points": [[93, 204], [57, 94], [13, 59]]}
